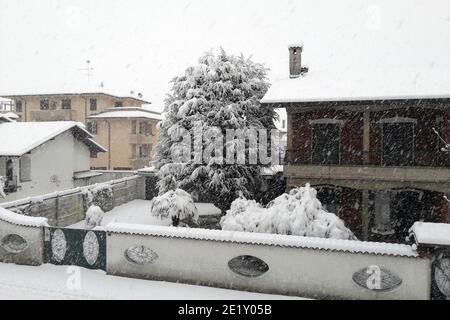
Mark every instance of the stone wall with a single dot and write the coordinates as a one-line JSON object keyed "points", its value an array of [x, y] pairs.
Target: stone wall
{"points": [[66, 208]]}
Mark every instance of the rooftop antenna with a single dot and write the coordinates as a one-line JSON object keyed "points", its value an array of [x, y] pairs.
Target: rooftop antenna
{"points": [[88, 70]]}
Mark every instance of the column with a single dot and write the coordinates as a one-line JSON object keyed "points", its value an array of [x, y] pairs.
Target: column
{"points": [[365, 214], [366, 137]]}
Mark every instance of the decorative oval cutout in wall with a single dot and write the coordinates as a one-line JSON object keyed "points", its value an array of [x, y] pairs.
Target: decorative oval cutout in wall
{"points": [[376, 278], [13, 243], [141, 255], [90, 247], [59, 245], [248, 266]]}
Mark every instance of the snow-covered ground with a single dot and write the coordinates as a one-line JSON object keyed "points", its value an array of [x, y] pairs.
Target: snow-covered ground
{"points": [[138, 211], [68, 282]]}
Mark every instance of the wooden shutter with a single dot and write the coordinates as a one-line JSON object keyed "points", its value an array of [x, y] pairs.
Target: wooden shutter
{"points": [[25, 168]]}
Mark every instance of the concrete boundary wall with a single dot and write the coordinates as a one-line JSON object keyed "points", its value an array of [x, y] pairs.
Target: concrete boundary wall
{"points": [[21, 238], [307, 267], [64, 208]]}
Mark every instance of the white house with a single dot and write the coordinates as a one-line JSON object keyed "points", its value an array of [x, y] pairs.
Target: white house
{"points": [[43, 157]]}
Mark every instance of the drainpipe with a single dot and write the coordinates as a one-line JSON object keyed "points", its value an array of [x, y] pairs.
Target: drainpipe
{"points": [[85, 109], [109, 144], [25, 109]]}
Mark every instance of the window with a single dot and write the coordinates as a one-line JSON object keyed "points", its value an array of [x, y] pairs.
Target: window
{"points": [[98, 168], [93, 104], [18, 106], [122, 168], [326, 143], [92, 127], [93, 154], [25, 168], [382, 214], [45, 104], [118, 104], [330, 197], [144, 151], [66, 104], [398, 142], [145, 128], [283, 124], [133, 126], [133, 151]]}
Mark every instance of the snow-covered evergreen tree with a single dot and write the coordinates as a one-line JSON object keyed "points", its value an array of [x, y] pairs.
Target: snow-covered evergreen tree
{"points": [[221, 91]]}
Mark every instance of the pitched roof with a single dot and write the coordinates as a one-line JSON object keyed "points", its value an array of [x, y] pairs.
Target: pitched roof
{"points": [[360, 85], [127, 112], [18, 138], [75, 93]]}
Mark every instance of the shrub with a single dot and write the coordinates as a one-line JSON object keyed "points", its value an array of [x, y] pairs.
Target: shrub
{"points": [[297, 213], [94, 217], [177, 205], [101, 196]]}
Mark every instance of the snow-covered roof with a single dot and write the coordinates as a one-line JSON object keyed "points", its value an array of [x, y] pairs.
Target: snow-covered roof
{"points": [[127, 112], [11, 115], [4, 118], [353, 246], [427, 233], [75, 90], [17, 138], [21, 220], [270, 171], [86, 174], [359, 85]]}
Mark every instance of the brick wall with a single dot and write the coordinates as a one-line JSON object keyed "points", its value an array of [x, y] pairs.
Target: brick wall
{"points": [[426, 149], [351, 134]]}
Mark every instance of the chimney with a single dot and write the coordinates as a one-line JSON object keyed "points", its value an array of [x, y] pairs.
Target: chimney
{"points": [[295, 61]]}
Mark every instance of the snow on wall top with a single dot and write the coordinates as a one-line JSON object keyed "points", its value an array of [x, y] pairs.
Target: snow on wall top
{"points": [[17, 138], [21, 220], [431, 233], [353, 246], [127, 112], [389, 84]]}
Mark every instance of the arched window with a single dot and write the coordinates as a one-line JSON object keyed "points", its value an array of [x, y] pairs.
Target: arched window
{"points": [[398, 141]]}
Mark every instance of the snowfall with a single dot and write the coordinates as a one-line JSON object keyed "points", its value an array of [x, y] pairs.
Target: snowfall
{"points": [[138, 212], [69, 282]]}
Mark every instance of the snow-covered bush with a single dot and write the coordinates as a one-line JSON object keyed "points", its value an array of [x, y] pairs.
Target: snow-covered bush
{"points": [[221, 92], [34, 206], [2, 186], [101, 195], [298, 212], [94, 217], [177, 205]]}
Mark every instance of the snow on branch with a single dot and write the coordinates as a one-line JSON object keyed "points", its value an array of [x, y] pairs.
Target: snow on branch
{"points": [[298, 212]]}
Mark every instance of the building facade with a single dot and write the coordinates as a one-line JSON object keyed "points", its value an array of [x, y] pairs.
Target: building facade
{"points": [[126, 150], [376, 160], [129, 134], [67, 106], [39, 158]]}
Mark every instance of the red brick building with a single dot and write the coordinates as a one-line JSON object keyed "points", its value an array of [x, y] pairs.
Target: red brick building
{"points": [[368, 148]]}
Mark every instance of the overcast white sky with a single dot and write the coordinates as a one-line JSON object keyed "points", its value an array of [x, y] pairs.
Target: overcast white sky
{"points": [[140, 45]]}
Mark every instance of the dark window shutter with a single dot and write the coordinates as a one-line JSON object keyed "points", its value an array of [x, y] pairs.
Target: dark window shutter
{"points": [[25, 168]]}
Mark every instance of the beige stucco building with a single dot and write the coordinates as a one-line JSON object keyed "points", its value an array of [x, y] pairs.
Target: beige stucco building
{"points": [[127, 130], [129, 134]]}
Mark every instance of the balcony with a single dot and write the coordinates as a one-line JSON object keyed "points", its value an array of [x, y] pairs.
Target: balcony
{"points": [[139, 163], [53, 115], [140, 138], [370, 176]]}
